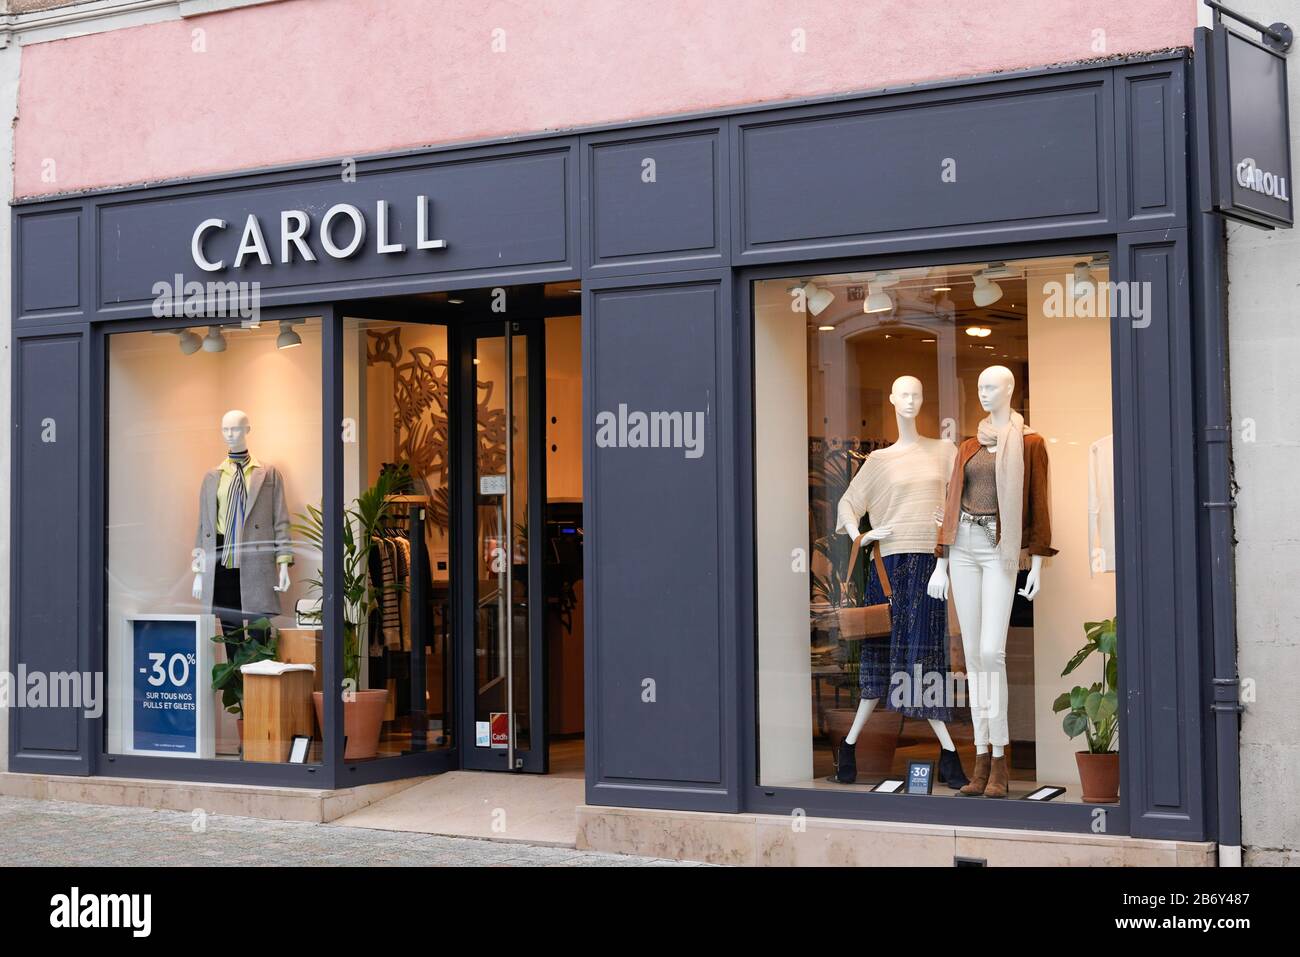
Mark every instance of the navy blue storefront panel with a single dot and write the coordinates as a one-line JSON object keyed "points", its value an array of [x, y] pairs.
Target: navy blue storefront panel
{"points": [[660, 692], [982, 164], [47, 627]]}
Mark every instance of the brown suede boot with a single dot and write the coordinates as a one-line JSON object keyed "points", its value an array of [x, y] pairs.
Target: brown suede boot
{"points": [[997, 787], [979, 779]]}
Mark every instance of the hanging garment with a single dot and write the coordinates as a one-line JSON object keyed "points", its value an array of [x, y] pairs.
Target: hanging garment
{"points": [[1101, 505]]}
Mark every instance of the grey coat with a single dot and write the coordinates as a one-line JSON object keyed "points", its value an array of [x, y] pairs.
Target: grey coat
{"points": [[266, 538]]}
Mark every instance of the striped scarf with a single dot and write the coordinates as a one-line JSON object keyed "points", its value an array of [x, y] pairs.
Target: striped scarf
{"points": [[235, 512]]}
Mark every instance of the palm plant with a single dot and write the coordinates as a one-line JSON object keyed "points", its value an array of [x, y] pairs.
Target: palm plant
{"points": [[362, 522]]}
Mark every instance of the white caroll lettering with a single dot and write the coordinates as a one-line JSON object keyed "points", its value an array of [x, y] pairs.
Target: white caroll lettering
{"points": [[358, 230], [1253, 178], [252, 242], [295, 235], [196, 245]]}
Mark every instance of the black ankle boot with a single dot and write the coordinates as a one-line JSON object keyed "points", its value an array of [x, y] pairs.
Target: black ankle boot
{"points": [[846, 765], [950, 772]]}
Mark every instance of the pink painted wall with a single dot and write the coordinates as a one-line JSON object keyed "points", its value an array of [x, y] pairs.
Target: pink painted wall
{"points": [[306, 79]]}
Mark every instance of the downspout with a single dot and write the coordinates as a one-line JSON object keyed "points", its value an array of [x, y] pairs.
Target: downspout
{"points": [[1209, 298]]}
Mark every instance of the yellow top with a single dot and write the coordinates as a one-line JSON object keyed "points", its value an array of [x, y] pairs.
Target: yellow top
{"points": [[223, 495]]}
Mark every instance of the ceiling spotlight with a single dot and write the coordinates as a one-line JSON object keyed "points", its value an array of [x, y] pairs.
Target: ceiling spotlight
{"points": [[825, 328], [979, 332], [214, 341], [878, 300], [986, 292], [817, 299], [1083, 281], [190, 343], [287, 338]]}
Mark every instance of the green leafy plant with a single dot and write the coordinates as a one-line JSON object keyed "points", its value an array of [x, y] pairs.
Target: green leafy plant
{"points": [[243, 647], [1094, 711], [362, 521]]}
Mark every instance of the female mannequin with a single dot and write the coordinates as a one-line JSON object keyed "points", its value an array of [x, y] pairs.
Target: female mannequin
{"points": [[902, 488], [996, 515]]}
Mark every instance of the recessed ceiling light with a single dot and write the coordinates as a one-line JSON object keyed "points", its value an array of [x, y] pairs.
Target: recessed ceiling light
{"points": [[927, 340], [825, 328], [979, 332], [943, 288], [456, 302]]}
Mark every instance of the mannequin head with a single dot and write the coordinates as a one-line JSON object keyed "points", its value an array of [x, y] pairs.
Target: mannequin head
{"points": [[235, 429], [906, 396], [995, 387]]}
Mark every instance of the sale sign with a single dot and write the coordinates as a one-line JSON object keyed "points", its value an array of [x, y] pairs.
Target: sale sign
{"points": [[166, 685]]}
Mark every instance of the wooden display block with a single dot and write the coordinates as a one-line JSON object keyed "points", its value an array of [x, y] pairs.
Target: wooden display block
{"points": [[302, 646], [276, 707]]}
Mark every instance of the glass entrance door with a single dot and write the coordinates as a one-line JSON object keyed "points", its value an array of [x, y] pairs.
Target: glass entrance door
{"points": [[501, 500]]}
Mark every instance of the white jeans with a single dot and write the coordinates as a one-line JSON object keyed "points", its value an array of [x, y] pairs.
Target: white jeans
{"points": [[983, 589]]}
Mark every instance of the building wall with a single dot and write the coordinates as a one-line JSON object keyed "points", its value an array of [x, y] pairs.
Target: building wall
{"points": [[305, 79], [1264, 346]]}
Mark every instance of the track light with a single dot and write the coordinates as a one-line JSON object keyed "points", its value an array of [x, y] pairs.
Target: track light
{"points": [[287, 338], [190, 343], [986, 292], [1083, 281], [878, 300], [817, 298], [214, 341]]}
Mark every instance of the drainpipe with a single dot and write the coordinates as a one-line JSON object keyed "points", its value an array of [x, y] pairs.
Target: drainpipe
{"points": [[1209, 297]]}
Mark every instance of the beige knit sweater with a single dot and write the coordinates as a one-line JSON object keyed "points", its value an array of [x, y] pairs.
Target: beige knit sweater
{"points": [[901, 488]]}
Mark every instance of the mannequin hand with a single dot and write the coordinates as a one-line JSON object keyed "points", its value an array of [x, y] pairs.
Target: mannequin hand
{"points": [[284, 578], [937, 587], [876, 534], [197, 590], [1032, 580]]}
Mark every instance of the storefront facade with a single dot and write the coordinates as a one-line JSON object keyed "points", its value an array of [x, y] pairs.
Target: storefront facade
{"points": [[683, 237]]}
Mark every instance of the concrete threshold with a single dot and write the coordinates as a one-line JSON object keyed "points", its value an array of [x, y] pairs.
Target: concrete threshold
{"points": [[311, 805], [768, 840]]}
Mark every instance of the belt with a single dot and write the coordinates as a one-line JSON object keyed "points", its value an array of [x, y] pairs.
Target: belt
{"points": [[987, 522]]}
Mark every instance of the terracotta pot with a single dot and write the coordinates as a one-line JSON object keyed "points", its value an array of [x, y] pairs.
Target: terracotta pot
{"points": [[363, 717], [1099, 776], [877, 742]]}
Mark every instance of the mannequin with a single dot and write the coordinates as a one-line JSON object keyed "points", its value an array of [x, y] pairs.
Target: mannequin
{"points": [[243, 534], [1000, 472], [902, 487]]}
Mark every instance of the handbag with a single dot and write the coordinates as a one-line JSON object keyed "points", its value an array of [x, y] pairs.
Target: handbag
{"points": [[867, 621]]}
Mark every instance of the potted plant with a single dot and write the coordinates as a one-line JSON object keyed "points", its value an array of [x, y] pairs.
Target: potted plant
{"points": [[1094, 712], [242, 647], [363, 711]]}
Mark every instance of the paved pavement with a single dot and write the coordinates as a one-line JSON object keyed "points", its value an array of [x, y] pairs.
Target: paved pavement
{"points": [[59, 833]]}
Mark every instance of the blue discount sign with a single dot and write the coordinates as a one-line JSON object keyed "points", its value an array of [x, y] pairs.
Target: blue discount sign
{"points": [[166, 686]]}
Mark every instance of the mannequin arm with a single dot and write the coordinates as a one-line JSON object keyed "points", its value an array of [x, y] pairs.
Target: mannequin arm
{"points": [[1032, 579], [937, 587]]}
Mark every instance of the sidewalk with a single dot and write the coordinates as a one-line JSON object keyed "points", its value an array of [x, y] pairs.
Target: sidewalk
{"points": [[64, 834]]}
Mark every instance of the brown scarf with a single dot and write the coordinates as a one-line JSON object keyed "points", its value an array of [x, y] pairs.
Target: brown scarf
{"points": [[1009, 470]]}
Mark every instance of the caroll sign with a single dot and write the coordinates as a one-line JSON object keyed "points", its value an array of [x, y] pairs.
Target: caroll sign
{"points": [[340, 234], [1270, 184]]}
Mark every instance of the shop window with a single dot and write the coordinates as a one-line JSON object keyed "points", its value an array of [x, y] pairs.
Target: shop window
{"points": [[960, 418], [213, 453]]}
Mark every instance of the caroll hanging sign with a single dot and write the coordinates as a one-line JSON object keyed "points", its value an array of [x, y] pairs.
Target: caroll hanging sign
{"points": [[1249, 129], [340, 234]]}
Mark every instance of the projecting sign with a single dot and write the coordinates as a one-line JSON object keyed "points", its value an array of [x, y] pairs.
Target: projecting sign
{"points": [[1249, 131]]}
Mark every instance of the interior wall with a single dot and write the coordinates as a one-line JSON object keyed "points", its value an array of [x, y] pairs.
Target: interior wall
{"points": [[782, 584], [564, 409], [1069, 361], [164, 434]]}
